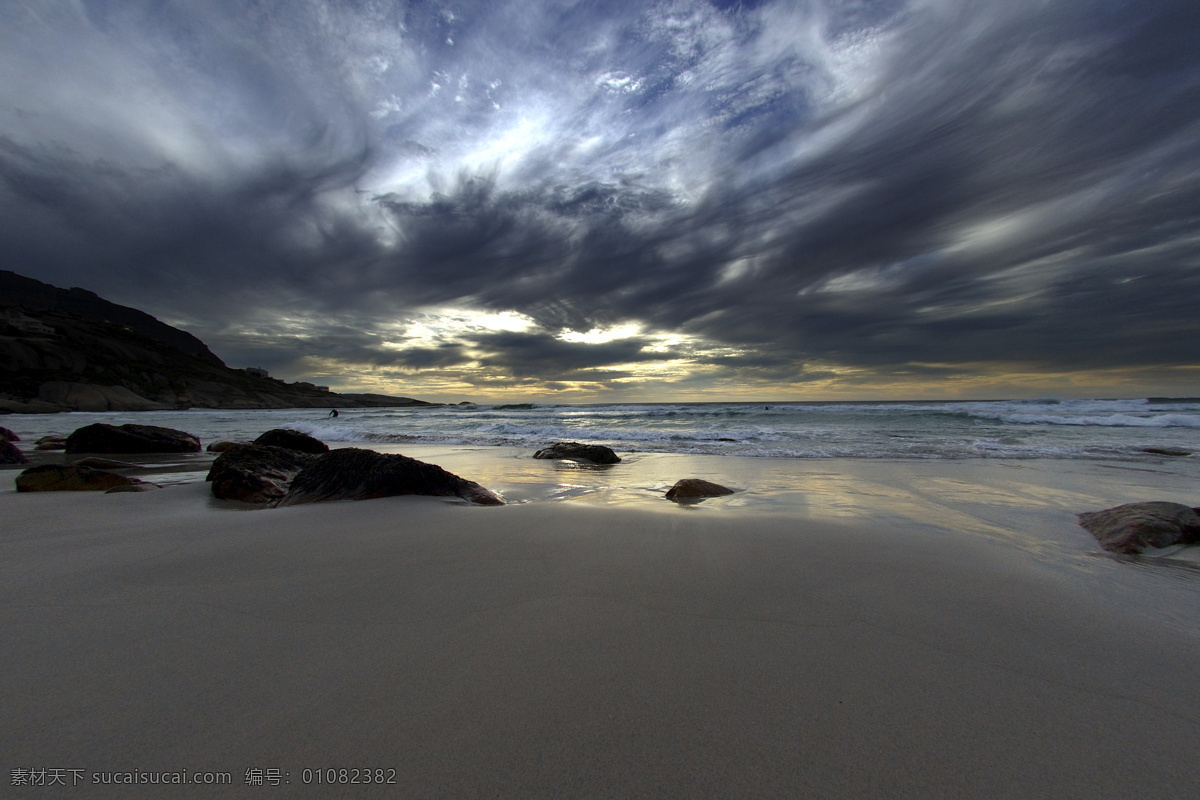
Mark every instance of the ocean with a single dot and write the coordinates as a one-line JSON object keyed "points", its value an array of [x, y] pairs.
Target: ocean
{"points": [[1148, 429]]}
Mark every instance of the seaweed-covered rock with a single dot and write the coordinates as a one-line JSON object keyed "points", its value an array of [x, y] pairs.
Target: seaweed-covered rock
{"points": [[256, 473], [596, 453], [696, 489], [11, 454], [355, 474], [103, 438], [70, 478], [1133, 527], [292, 440]]}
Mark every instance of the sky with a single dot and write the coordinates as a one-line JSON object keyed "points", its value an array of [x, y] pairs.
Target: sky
{"points": [[562, 201]]}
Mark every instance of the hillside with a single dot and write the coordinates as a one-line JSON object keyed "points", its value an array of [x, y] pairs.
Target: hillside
{"points": [[33, 295], [60, 360]]}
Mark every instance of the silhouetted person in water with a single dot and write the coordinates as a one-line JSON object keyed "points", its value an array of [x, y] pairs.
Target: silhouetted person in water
{"points": [[332, 413]]}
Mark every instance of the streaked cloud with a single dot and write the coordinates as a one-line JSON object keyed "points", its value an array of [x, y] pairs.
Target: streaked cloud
{"points": [[635, 199]]}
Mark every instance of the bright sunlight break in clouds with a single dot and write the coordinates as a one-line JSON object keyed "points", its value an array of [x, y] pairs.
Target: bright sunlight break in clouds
{"points": [[577, 201]]}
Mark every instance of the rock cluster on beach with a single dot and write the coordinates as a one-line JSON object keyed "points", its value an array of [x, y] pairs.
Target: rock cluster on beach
{"points": [[282, 466], [1135, 527]]}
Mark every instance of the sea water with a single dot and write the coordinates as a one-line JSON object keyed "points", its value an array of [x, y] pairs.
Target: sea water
{"points": [[1148, 429]]}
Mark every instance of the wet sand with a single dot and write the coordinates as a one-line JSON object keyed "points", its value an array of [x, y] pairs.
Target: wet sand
{"points": [[835, 629]]}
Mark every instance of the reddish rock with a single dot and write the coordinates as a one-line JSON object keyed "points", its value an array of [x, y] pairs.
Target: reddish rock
{"points": [[7, 435], [220, 447], [51, 442], [254, 473], [1133, 527]]}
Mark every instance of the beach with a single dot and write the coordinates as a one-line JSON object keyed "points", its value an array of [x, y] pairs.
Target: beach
{"points": [[836, 628]]}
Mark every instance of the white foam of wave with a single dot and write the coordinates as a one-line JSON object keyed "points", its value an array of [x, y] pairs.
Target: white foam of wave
{"points": [[1110, 420]]}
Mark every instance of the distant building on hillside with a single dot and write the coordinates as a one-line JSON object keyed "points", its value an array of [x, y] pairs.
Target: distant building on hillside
{"points": [[13, 318], [257, 372]]}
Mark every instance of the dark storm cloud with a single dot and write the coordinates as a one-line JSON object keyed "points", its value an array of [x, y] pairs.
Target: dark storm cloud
{"points": [[872, 184], [540, 355]]}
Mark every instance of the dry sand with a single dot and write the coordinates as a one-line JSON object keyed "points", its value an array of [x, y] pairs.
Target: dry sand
{"points": [[895, 630]]}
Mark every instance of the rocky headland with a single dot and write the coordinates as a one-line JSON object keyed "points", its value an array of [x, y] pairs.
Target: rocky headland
{"points": [[70, 350]]}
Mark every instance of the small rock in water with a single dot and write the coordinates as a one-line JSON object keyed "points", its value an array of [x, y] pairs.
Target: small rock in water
{"points": [[293, 440], [1133, 527], [596, 453], [219, 447], [696, 489]]}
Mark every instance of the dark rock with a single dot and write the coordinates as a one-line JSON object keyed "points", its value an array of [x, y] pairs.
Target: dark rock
{"points": [[51, 443], [292, 440], [696, 489], [596, 453], [8, 436], [256, 473], [102, 438], [11, 454], [1133, 527], [220, 447], [354, 474], [141, 486], [70, 478]]}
